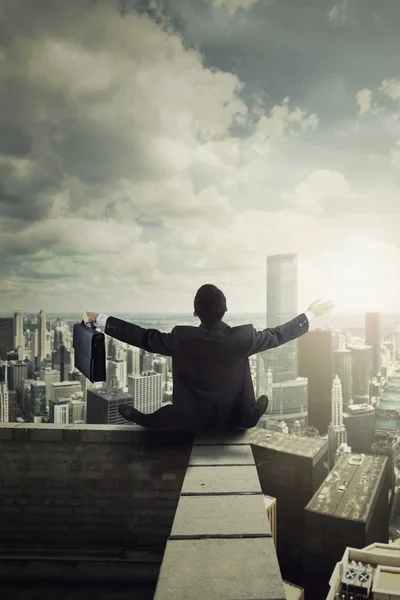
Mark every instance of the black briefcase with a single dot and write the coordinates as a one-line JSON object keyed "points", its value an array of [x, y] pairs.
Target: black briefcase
{"points": [[90, 351]]}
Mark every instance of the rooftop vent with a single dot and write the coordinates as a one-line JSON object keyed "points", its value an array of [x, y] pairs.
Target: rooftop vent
{"points": [[356, 460]]}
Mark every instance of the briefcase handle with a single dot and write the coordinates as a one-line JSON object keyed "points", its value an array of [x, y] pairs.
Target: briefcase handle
{"points": [[88, 323]]}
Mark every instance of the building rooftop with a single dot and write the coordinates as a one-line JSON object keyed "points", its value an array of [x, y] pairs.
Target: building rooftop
{"points": [[284, 442], [349, 489], [110, 393], [375, 569], [356, 409], [64, 383]]}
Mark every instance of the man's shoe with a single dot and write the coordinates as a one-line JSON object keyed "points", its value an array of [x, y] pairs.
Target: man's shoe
{"points": [[133, 415], [261, 405]]}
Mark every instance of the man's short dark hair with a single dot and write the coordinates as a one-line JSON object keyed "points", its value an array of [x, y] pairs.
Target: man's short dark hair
{"points": [[209, 304]]}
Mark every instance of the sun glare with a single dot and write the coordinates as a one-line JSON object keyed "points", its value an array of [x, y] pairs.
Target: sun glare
{"points": [[361, 280]]}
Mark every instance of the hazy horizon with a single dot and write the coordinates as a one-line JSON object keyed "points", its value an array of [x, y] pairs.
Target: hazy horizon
{"points": [[147, 151]]}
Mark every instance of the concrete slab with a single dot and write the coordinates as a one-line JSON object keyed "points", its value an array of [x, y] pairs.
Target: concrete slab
{"points": [[220, 515], [237, 569], [221, 480], [222, 455], [223, 438]]}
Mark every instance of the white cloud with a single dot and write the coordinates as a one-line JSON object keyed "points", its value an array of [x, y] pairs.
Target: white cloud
{"points": [[338, 14], [320, 189], [282, 119], [125, 121], [139, 186], [365, 104], [391, 87], [232, 6]]}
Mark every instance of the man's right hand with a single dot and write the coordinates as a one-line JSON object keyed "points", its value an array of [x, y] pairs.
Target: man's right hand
{"points": [[319, 308]]}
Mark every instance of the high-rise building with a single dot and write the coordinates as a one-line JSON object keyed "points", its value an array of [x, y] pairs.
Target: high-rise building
{"points": [[34, 347], [160, 366], [60, 411], [6, 336], [373, 339], [337, 434], [315, 363], [288, 401], [25, 398], [282, 307], [342, 368], [17, 371], [146, 361], [19, 339], [133, 361], [4, 406], [350, 508], [116, 373], [361, 368], [3, 371], [146, 390], [38, 400], [61, 361], [359, 420], [290, 468], [49, 376], [42, 331], [372, 572], [102, 406], [77, 408], [64, 389]]}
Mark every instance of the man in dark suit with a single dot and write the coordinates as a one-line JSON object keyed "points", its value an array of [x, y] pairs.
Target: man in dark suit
{"points": [[212, 384]]}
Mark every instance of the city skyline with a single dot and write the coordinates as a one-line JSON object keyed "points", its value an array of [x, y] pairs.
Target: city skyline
{"points": [[151, 147]]}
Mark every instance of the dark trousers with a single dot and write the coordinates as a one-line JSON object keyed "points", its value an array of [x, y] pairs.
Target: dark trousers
{"points": [[168, 418]]}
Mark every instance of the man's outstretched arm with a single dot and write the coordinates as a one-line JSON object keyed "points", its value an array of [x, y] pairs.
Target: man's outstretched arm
{"points": [[272, 337], [151, 340]]}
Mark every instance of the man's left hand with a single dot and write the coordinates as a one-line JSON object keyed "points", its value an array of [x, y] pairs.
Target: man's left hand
{"points": [[90, 317]]}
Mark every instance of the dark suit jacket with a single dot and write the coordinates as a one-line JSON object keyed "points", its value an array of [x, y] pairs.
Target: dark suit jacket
{"points": [[212, 384]]}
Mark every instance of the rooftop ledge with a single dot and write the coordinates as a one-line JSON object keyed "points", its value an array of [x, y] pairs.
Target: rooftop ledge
{"points": [[157, 512]]}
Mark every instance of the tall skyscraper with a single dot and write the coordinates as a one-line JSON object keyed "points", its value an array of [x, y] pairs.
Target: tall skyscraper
{"points": [[373, 339], [160, 366], [34, 347], [19, 339], [337, 434], [361, 367], [282, 307], [18, 370], [4, 399], [6, 336], [64, 389], [42, 342], [102, 406], [290, 468], [60, 411], [342, 368], [61, 361], [116, 373], [359, 420], [146, 391], [315, 363], [38, 401], [133, 361], [288, 401], [146, 361], [351, 508]]}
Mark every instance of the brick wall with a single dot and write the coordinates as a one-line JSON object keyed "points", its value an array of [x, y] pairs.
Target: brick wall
{"points": [[83, 486]]}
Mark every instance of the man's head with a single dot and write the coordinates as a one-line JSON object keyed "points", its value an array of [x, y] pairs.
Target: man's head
{"points": [[209, 304]]}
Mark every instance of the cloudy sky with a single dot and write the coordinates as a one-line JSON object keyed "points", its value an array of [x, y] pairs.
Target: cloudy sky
{"points": [[147, 148]]}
